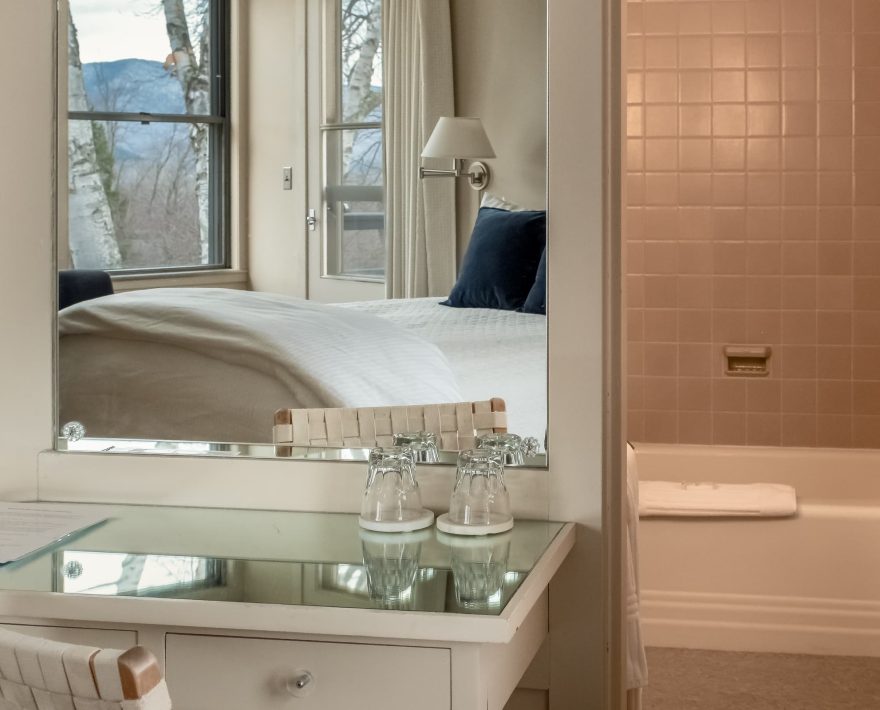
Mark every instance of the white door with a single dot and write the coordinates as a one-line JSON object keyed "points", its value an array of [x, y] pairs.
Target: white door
{"points": [[346, 245]]}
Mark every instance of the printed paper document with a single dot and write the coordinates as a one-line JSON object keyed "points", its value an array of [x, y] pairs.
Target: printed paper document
{"points": [[28, 527]]}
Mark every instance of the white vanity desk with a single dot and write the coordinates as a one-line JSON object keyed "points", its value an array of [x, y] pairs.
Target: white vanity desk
{"points": [[240, 605]]}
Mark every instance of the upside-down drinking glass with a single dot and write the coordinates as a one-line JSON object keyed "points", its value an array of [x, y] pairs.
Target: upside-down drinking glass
{"points": [[392, 501], [423, 444], [480, 503], [512, 448], [392, 562], [478, 569]]}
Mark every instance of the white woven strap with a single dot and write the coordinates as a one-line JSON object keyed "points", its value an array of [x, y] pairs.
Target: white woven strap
{"points": [[93, 704], [8, 663], [360, 427], [456, 426], [59, 702], [17, 694], [34, 674], [43, 699], [106, 666], [52, 666], [77, 665], [13, 689], [37, 674], [156, 699], [27, 654]]}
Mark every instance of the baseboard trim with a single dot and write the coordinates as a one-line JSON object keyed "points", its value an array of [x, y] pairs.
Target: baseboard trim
{"points": [[734, 622]]}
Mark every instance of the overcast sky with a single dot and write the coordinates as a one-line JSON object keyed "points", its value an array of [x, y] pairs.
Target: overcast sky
{"points": [[119, 29]]}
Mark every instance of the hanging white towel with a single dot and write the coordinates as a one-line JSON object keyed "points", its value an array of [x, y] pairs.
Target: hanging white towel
{"points": [[665, 498], [636, 661]]}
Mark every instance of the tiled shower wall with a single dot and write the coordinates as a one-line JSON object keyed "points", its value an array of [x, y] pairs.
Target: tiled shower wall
{"points": [[753, 217]]}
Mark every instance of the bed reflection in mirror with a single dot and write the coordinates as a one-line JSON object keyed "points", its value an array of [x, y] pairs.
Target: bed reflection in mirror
{"points": [[224, 258]]}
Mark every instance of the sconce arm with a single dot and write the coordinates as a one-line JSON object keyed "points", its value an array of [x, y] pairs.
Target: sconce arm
{"points": [[477, 173]]}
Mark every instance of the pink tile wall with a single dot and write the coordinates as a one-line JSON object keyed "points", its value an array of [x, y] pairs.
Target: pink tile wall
{"points": [[753, 217]]}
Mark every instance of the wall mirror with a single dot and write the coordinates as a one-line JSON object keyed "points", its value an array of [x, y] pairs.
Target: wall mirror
{"points": [[260, 210]]}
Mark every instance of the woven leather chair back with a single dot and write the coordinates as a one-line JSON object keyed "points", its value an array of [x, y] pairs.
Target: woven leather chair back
{"points": [[455, 425], [37, 674]]}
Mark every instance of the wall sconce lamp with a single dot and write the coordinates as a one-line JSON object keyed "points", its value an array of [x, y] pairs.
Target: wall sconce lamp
{"points": [[460, 139]]}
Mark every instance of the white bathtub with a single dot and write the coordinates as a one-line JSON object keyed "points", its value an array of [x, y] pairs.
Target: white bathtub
{"points": [[809, 584]]}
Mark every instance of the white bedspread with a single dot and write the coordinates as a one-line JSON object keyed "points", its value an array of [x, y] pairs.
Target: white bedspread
{"points": [[493, 353], [181, 347]]}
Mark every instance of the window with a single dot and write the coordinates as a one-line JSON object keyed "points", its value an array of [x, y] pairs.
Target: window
{"points": [[120, 574], [147, 134], [352, 141]]}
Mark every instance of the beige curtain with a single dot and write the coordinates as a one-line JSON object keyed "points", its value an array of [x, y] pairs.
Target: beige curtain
{"points": [[420, 222]]}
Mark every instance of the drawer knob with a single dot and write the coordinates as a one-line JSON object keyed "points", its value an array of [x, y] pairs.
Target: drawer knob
{"points": [[301, 685]]}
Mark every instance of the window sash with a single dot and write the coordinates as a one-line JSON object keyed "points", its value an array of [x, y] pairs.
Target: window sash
{"points": [[144, 117], [219, 147], [335, 225]]}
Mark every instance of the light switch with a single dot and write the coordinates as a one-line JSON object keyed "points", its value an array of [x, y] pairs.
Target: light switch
{"points": [[287, 178]]}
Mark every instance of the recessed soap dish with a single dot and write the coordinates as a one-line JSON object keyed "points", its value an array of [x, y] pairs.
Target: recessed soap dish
{"points": [[747, 360]]}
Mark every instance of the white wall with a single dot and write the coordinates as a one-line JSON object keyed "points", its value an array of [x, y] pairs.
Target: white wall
{"points": [[500, 63], [275, 112], [583, 278], [27, 135]]}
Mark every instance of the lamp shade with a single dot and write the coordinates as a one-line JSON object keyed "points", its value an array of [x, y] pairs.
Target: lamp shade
{"points": [[459, 138]]}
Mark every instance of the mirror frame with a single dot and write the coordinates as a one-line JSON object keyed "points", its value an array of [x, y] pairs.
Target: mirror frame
{"points": [[239, 449], [584, 481]]}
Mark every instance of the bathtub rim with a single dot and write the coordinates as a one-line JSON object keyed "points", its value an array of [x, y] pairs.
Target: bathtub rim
{"points": [[841, 476]]}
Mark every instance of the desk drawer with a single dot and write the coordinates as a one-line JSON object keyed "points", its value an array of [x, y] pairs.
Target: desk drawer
{"points": [[222, 673], [101, 638]]}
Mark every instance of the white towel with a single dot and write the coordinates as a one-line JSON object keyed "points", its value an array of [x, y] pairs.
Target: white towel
{"points": [[636, 661], [665, 498]]}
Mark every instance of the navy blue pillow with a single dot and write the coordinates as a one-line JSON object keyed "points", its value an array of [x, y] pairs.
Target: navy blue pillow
{"points": [[501, 260], [75, 285], [536, 301]]}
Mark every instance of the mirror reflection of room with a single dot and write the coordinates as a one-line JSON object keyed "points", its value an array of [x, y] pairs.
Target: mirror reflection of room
{"points": [[276, 205]]}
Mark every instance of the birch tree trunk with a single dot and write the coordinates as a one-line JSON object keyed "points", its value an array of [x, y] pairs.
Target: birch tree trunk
{"points": [[132, 572], [360, 81], [91, 236], [192, 71]]}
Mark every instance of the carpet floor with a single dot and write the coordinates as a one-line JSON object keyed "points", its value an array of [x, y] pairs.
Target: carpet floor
{"points": [[682, 679]]}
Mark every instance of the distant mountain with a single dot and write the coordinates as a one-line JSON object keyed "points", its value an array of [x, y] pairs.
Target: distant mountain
{"points": [[140, 85], [132, 86]]}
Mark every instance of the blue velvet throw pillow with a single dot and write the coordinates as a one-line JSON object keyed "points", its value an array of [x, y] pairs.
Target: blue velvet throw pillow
{"points": [[536, 301], [501, 260]]}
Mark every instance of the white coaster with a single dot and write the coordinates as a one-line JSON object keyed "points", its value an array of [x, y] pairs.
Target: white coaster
{"points": [[470, 542], [395, 538], [447, 526], [422, 521]]}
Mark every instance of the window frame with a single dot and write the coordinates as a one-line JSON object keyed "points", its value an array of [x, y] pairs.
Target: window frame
{"points": [[219, 148], [330, 57]]}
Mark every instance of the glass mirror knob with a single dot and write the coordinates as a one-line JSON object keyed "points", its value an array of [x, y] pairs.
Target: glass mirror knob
{"points": [[73, 569], [73, 431]]}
